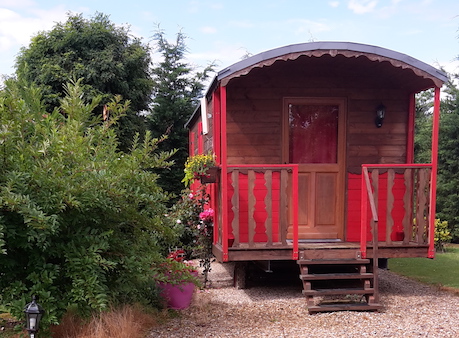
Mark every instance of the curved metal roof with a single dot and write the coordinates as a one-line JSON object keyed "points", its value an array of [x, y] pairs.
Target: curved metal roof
{"points": [[349, 49]]}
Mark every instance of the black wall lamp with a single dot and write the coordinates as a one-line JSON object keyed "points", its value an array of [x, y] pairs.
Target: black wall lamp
{"points": [[380, 114]]}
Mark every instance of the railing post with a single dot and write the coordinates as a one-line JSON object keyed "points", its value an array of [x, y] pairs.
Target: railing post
{"points": [[433, 183], [363, 214], [295, 212]]}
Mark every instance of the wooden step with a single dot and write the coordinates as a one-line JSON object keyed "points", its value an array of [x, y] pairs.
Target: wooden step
{"points": [[344, 307], [335, 292], [335, 276], [333, 261], [339, 278]]}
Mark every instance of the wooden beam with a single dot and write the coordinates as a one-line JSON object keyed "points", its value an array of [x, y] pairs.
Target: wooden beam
{"points": [[410, 136], [433, 186], [224, 171], [295, 212], [200, 139], [216, 125]]}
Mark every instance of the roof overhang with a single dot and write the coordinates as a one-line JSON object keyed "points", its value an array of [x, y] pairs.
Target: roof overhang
{"points": [[318, 49]]}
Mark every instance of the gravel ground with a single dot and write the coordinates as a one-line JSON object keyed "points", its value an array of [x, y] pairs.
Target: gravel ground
{"points": [[270, 309]]}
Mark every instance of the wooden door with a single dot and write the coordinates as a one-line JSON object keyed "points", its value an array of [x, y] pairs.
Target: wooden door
{"points": [[314, 138]]}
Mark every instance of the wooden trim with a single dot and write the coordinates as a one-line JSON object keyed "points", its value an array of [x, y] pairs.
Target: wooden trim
{"points": [[408, 202], [268, 176], [216, 124], [200, 139], [433, 185], [191, 144], [235, 207], [251, 201], [295, 213], [410, 131], [363, 212], [283, 208], [224, 177], [390, 205]]}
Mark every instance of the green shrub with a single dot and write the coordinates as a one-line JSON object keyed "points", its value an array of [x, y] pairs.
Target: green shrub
{"points": [[442, 234], [80, 222]]}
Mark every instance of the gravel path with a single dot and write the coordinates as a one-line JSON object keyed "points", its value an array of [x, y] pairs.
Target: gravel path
{"points": [[410, 310]]}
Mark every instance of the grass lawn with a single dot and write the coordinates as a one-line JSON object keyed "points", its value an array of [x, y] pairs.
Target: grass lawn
{"points": [[441, 271]]}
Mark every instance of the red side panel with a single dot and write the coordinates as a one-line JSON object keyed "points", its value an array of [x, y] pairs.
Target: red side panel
{"points": [[353, 207], [260, 214]]}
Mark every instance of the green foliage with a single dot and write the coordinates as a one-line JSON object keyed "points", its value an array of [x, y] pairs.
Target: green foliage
{"points": [[448, 152], [194, 223], [442, 234], [423, 127], [448, 160], [174, 272], [80, 221], [177, 89], [197, 166], [108, 59]]}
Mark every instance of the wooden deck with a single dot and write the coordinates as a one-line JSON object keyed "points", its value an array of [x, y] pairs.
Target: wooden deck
{"points": [[320, 250]]}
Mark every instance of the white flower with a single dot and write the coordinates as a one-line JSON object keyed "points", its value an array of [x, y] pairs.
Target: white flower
{"points": [[179, 221]]}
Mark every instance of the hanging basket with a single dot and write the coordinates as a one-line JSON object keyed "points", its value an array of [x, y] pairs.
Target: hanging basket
{"points": [[211, 175]]}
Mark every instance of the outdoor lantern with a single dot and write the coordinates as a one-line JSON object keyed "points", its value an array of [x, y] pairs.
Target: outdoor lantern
{"points": [[33, 312], [380, 113]]}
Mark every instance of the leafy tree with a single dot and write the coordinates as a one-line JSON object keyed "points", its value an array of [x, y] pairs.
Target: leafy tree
{"points": [[448, 159], [80, 221], [423, 127], [177, 89], [108, 59], [448, 150]]}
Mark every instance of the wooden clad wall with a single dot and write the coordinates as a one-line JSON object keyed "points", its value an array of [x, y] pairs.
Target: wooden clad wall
{"points": [[194, 138], [366, 142], [254, 108], [253, 126]]}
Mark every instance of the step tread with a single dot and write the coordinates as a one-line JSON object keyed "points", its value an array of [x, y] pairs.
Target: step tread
{"points": [[333, 261], [344, 307], [347, 291], [342, 275]]}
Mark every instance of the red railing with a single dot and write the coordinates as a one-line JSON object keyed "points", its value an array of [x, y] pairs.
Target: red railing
{"points": [[258, 205], [415, 224]]}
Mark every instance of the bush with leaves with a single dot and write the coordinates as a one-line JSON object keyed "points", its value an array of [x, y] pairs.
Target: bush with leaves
{"points": [[442, 234], [194, 221], [80, 222]]}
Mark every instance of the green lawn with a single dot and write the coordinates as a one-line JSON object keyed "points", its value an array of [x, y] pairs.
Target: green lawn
{"points": [[441, 271]]}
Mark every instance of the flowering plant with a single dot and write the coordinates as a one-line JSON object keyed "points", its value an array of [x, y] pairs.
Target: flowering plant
{"points": [[205, 240], [197, 166], [174, 270]]}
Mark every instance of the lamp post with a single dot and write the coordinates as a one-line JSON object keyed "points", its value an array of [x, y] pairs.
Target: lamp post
{"points": [[33, 312]]}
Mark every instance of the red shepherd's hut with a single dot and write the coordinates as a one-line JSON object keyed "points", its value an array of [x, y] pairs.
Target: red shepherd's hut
{"points": [[314, 144]]}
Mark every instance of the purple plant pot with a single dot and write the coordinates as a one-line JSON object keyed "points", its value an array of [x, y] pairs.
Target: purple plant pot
{"points": [[177, 296]]}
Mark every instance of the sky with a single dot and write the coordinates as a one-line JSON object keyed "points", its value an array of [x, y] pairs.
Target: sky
{"points": [[223, 31]]}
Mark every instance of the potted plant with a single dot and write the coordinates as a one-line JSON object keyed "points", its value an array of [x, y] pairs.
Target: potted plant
{"points": [[202, 167], [176, 280]]}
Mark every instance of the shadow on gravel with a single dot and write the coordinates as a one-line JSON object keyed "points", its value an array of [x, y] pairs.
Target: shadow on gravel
{"points": [[393, 284], [281, 281]]}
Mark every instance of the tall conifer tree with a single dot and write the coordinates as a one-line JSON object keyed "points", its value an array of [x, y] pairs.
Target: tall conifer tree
{"points": [[177, 89]]}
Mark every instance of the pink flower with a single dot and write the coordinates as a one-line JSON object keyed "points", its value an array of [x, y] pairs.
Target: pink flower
{"points": [[190, 195], [207, 215]]}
